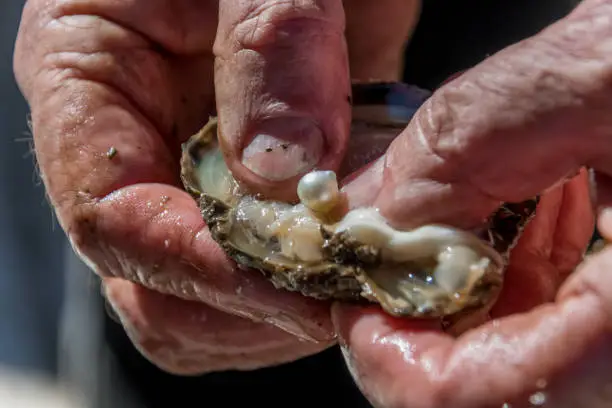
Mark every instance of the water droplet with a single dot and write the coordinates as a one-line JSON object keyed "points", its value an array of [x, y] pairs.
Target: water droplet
{"points": [[167, 243], [506, 405], [538, 399]]}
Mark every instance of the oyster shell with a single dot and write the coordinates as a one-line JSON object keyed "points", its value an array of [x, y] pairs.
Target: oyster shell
{"points": [[313, 248], [432, 271]]}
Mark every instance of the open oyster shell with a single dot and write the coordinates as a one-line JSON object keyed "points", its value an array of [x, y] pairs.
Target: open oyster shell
{"points": [[431, 271]]}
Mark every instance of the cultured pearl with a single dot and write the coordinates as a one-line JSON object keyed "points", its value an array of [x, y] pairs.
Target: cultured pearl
{"points": [[318, 190]]}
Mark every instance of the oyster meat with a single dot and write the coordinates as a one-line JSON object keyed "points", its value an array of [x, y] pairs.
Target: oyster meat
{"points": [[315, 248]]}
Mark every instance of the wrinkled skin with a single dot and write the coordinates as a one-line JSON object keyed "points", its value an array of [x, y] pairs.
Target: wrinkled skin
{"points": [[138, 76]]}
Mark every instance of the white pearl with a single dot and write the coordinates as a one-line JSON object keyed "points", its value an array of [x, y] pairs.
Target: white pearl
{"points": [[318, 190]]}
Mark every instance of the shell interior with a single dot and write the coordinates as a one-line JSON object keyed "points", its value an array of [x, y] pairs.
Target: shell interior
{"points": [[431, 271]]}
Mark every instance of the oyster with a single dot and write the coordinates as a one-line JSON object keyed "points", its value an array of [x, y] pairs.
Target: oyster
{"points": [[315, 248]]}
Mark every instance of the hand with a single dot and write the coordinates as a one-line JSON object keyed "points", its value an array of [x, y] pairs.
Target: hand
{"points": [[506, 130], [116, 87]]}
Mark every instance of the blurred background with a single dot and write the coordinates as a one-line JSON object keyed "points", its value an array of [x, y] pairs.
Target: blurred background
{"points": [[38, 273], [31, 243]]}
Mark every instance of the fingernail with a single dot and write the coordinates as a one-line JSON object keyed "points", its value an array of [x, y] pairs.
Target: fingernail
{"points": [[292, 327], [311, 331], [283, 148], [306, 330]]}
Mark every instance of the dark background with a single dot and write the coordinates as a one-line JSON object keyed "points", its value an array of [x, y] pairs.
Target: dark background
{"points": [[31, 244], [452, 36]]}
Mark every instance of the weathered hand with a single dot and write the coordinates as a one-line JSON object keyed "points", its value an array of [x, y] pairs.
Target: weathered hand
{"points": [[506, 130], [115, 87]]}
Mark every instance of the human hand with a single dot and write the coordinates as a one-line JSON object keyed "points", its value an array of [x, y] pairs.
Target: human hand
{"points": [[506, 130], [115, 87]]}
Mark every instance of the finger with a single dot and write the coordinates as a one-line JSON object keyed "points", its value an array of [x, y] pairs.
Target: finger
{"points": [[376, 51], [551, 247], [534, 274], [119, 209], [186, 337], [283, 92], [531, 279], [572, 238], [154, 235], [513, 357], [538, 115], [117, 44]]}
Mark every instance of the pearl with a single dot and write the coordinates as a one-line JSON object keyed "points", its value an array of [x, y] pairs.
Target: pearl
{"points": [[318, 190]]}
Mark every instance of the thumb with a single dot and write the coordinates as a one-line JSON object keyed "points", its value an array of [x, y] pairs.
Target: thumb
{"points": [[283, 90]]}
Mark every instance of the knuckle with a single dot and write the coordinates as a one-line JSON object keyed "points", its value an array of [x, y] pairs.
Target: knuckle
{"points": [[436, 122], [452, 129], [577, 50], [267, 22]]}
